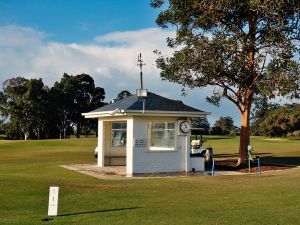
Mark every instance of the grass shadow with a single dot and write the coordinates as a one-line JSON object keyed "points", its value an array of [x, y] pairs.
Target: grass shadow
{"points": [[218, 138], [48, 219], [228, 162], [280, 160], [98, 211], [226, 155]]}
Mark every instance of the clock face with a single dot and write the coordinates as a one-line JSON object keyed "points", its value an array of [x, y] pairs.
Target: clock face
{"points": [[185, 127]]}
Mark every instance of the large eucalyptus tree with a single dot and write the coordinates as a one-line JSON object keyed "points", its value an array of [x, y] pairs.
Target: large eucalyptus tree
{"points": [[23, 102], [240, 47]]}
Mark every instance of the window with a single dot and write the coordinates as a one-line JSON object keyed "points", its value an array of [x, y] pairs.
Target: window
{"points": [[118, 134], [162, 136]]}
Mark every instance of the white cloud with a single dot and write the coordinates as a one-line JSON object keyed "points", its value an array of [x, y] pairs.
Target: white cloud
{"points": [[26, 52], [18, 37], [110, 59]]}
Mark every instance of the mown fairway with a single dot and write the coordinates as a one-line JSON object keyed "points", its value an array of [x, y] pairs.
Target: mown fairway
{"points": [[28, 168]]}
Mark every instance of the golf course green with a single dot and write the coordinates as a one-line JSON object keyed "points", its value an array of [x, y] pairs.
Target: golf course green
{"points": [[29, 168]]}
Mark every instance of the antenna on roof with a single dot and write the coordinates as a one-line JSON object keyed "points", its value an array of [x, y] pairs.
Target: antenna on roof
{"points": [[141, 92], [141, 64]]}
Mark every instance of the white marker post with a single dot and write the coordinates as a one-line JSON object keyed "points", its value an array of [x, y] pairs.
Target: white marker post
{"points": [[53, 201]]}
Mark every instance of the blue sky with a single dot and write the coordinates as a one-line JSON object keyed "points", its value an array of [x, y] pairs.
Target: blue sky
{"points": [[46, 38], [78, 20]]}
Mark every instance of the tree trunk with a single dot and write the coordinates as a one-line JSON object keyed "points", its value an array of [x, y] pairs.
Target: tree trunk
{"points": [[85, 130], [26, 135], [248, 95], [65, 132], [244, 136], [78, 130], [18, 134]]}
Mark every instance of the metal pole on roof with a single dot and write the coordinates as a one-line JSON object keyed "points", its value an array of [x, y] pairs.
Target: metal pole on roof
{"points": [[141, 93], [141, 64]]}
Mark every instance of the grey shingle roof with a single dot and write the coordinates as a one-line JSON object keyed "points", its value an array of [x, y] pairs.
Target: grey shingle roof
{"points": [[153, 102]]}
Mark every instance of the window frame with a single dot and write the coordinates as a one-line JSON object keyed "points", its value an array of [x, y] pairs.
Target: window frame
{"points": [[162, 148], [118, 129]]}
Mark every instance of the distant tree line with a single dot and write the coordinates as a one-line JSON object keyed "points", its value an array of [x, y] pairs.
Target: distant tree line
{"points": [[31, 110], [274, 120], [222, 126], [268, 119]]}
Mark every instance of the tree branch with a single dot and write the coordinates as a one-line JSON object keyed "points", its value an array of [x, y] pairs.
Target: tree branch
{"points": [[235, 98]]}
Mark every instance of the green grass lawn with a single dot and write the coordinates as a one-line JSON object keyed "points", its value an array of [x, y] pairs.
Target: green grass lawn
{"points": [[28, 168], [271, 150]]}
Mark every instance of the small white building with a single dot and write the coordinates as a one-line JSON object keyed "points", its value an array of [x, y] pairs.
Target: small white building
{"points": [[148, 135]]}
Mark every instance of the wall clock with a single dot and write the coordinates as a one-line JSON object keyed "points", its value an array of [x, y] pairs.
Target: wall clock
{"points": [[185, 127]]}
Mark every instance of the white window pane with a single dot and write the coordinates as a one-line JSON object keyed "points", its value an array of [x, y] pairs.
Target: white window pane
{"points": [[171, 125], [118, 138], [162, 136], [118, 126], [118, 134], [158, 126], [124, 126]]}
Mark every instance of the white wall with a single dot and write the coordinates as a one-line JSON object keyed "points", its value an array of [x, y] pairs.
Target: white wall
{"points": [[145, 161], [100, 146], [140, 159], [129, 147]]}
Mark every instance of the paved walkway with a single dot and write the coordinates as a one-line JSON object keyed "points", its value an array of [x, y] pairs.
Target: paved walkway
{"points": [[119, 172], [108, 172]]}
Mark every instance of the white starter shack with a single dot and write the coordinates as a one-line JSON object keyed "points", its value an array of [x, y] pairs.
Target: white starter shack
{"points": [[148, 134]]}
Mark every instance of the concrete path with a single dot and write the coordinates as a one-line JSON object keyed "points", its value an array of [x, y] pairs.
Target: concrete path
{"points": [[119, 172], [109, 172]]}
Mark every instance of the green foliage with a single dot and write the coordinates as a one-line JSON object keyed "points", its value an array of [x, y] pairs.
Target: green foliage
{"points": [[77, 94], [223, 126], [123, 94], [24, 102], [281, 121], [215, 40], [202, 123], [262, 108], [39, 112], [240, 48], [294, 135]]}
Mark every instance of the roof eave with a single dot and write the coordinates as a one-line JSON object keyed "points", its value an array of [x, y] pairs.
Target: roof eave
{"points": [[167, 113], [145, 113], [103, 114]]}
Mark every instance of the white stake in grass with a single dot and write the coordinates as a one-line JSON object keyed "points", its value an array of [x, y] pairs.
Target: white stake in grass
{"points": [[53, 201]]}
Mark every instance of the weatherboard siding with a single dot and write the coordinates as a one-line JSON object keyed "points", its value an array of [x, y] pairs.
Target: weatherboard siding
{"points": [[138, 158], [145, 161]]}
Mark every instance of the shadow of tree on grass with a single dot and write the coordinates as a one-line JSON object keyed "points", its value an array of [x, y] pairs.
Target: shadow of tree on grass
{"points": [[281, 160], [235, 155], [228, 162]]}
